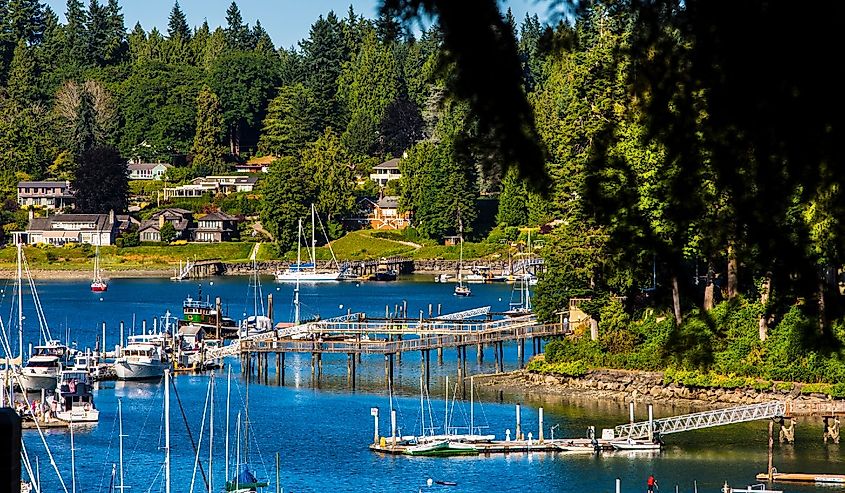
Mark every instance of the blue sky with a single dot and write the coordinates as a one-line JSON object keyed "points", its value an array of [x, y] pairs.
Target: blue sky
{"points": [[287, 21]]}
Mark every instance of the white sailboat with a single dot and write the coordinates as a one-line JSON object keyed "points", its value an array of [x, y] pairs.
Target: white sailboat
{"points": [[98, 284], [462, 289], [307, 272], [523, 307]]}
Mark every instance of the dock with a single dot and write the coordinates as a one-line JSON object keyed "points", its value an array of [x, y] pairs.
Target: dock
{"points": [[28, 424], [510, 447], [357, 334], [795, 477]]}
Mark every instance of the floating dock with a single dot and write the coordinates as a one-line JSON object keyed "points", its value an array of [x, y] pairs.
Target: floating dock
{"points": [[797, 477], [28, 424], [562, 445]]}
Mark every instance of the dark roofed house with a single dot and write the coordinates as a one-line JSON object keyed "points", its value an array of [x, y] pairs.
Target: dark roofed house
{"points": [[181, 219], [45, 194], [386, 171], [59, 229], [216, 227]]}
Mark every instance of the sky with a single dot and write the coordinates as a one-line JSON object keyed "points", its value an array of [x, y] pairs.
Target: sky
{"points": [[287, 21]]}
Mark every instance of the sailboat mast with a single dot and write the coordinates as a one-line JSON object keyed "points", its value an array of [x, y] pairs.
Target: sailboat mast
{"points": [[211, 439], [238, 450], [166, 431], [422, 408], [298, 273], [246, 423], [313, 238], [20, 300], [228, 390], [72, 459], [120, 430], [471, 405], [446, 416]]}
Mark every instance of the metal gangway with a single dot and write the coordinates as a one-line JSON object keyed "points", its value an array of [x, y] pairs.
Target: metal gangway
{"points": [[706, 419]]}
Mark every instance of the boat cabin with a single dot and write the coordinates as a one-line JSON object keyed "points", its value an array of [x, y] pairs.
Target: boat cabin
{"points": [[52, 348], [140, 350], [191, 336]]}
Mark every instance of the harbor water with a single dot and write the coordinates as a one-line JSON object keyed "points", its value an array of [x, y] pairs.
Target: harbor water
{"points": [[322, 433]]}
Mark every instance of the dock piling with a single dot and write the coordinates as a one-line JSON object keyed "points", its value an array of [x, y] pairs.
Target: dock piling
{"points": [[393, 426], [520, 350], [518, 424], [540, 419], [479, 353]]}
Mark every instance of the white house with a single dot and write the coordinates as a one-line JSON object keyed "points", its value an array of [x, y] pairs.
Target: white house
{"points": [[148, 171], [94, 229], [386, 171], [45, 194]]}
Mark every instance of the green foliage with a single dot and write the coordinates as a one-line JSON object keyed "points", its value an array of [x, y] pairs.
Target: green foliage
{"points": [[290, 122], [513, 201], [101, 181], [287, 192], [563, 369], [328, 163], [167, 232], [207, 150]]}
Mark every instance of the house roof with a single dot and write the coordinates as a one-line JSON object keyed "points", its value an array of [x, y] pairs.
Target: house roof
{"points": [[147, 166], [153, 224], [390, 164], [218, 216], [101, 221], [263, 160], [246, 180], [172, 210], [389, 202], [191, 330], [39, 184]]}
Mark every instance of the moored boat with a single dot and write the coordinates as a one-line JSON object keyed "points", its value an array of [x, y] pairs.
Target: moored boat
{"points": [[307, 271], [75, 402], [630, 444], [140, 362], [41, 371]]}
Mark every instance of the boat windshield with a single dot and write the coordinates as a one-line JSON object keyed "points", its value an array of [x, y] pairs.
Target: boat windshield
{"points": [[42, 364]]}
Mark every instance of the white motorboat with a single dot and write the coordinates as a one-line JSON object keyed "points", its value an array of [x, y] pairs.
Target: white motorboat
{"points": [[443, 278], [41, 371], [254, 325], [75, 402], [630, 444], [140, 361]]}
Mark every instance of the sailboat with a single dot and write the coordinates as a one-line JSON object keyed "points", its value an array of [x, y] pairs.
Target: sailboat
{"points": [[255, 323], [462, 289], [98, 284], [307, 272], [523, 307], [244, 480]]}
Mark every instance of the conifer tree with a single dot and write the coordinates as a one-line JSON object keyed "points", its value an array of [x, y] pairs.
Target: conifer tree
{"points": [[116, 44], [22, 86], [237, 33], [290, 122], [513, 201], [207, 149], [324, 57], [177, 24], [76, 36], [98, 28], [25, 20]]}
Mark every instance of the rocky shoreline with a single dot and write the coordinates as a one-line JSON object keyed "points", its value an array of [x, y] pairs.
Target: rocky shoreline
{"points": [[648, 388]]}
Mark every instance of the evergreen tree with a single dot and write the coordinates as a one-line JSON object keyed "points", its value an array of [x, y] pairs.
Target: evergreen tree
{"points": [[513, 201], [288, 193], [177, 24], [368, 84], [98, 33], [290, 122], [22, 86], [237, 33], [49, 52], [388, 28], [116, 45], [198, 43], [261, 41], [6, 43], [26, 20], [76, 37], [207, 149], [137, 41], [325, 54], [101, 181], [401, 127], [331, 166]]}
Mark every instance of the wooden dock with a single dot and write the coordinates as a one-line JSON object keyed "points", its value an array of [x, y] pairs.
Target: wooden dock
{"points": [[387, 447], [28, 424], [795, 477]]}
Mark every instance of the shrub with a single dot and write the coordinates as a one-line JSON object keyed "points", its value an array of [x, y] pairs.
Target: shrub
{"points": [[568, 369]]}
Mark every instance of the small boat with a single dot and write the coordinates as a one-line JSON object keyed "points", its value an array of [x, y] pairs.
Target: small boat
{"points": [[75, 400], [384, 273], [443, 278], [140, 362], [441, 448], [98, 285], [446, 483], [462, 290], [630, 444], [254, 325], [307, 271], [244, 481]]}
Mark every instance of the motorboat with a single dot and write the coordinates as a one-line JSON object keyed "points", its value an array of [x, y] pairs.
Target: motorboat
{"points": [[441, 448], [139, 362], [443, 277], [631, 444], [74, 400], [41, 371], [254, 325], [462, 290]]}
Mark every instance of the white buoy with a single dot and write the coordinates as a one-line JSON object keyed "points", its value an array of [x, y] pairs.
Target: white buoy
{"points": [[101, 299], [429, 482], [211, 283], [340, 307]]}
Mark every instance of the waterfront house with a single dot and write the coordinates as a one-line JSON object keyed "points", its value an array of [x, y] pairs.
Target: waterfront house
{"points": [[59, 229], [181, 219], [383, 213], [148, 171], [45, 194], [386, 171], [199, 187], [216, 227]]}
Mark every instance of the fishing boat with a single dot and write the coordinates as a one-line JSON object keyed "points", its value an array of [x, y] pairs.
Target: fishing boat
{"points": [[196, 311], [462, 289], [307, 272], [140, 361], [42, 369], [74, 400], [98, 284]]}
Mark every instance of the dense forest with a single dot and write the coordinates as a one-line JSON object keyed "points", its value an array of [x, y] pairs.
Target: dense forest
{"points": [[684, 165]]}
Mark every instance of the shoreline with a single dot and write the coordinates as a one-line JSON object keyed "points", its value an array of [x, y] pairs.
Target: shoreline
{"points": [[623, 386]]}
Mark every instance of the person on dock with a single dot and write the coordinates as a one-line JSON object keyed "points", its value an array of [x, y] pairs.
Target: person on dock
{"points": [[651, 483]]}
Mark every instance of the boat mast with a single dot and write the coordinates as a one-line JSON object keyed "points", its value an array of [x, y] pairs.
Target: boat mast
{"points": [[422, 408], [166, 431], [446, 417], [211, 439], [298, 272], [20, 299], [471, 405], [72, 457], [313, 239], [120, 435], [238, 451], [228, 390]]}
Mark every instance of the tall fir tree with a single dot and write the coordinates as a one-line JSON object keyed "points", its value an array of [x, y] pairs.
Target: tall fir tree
{"points": [[116, 44], [261, 40], [290, 122], [237, 33], [513, 201], [207, 149], [26, 20], [177, 24], [22, 86], [97, 30], [325, 55], [76, 37]]}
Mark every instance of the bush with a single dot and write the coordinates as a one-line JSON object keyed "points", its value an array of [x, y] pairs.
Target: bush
{"points": [[570, 369]]}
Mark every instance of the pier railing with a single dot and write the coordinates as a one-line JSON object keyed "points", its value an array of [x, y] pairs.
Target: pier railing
{"points": [[706, 419]]}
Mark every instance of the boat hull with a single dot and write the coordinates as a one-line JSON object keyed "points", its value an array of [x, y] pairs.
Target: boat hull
{"points": [[128, 370], [79, 416], [635, 446], [37, 382], [307, 276]]}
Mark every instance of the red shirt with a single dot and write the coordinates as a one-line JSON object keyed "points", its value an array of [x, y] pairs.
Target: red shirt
{"points": [[651, 481]]}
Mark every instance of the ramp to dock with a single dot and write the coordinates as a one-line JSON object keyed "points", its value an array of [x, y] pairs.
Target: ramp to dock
{"points": [[706, 419]]}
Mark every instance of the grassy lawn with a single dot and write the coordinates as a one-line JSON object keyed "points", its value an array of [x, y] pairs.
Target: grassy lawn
{"points": [[113, 258], [370, 244]]}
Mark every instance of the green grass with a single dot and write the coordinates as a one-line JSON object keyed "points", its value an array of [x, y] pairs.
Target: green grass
{"points": [[147, 257]]}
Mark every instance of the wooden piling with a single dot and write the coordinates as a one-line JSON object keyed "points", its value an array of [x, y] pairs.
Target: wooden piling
{"points": [[479, 353], [440, 356], [520, 352]]}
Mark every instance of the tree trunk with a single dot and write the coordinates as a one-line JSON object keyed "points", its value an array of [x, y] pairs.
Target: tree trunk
{"points": [[676, 299], [732, 272], [709, 301], [822, 294], [765, 293]]}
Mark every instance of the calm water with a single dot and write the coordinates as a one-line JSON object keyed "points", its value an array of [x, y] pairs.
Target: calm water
{"points": [[322, 434]]}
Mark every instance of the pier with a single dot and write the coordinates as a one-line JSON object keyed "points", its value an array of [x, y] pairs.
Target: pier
{"points": [[193, 269], [356, 334]]}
